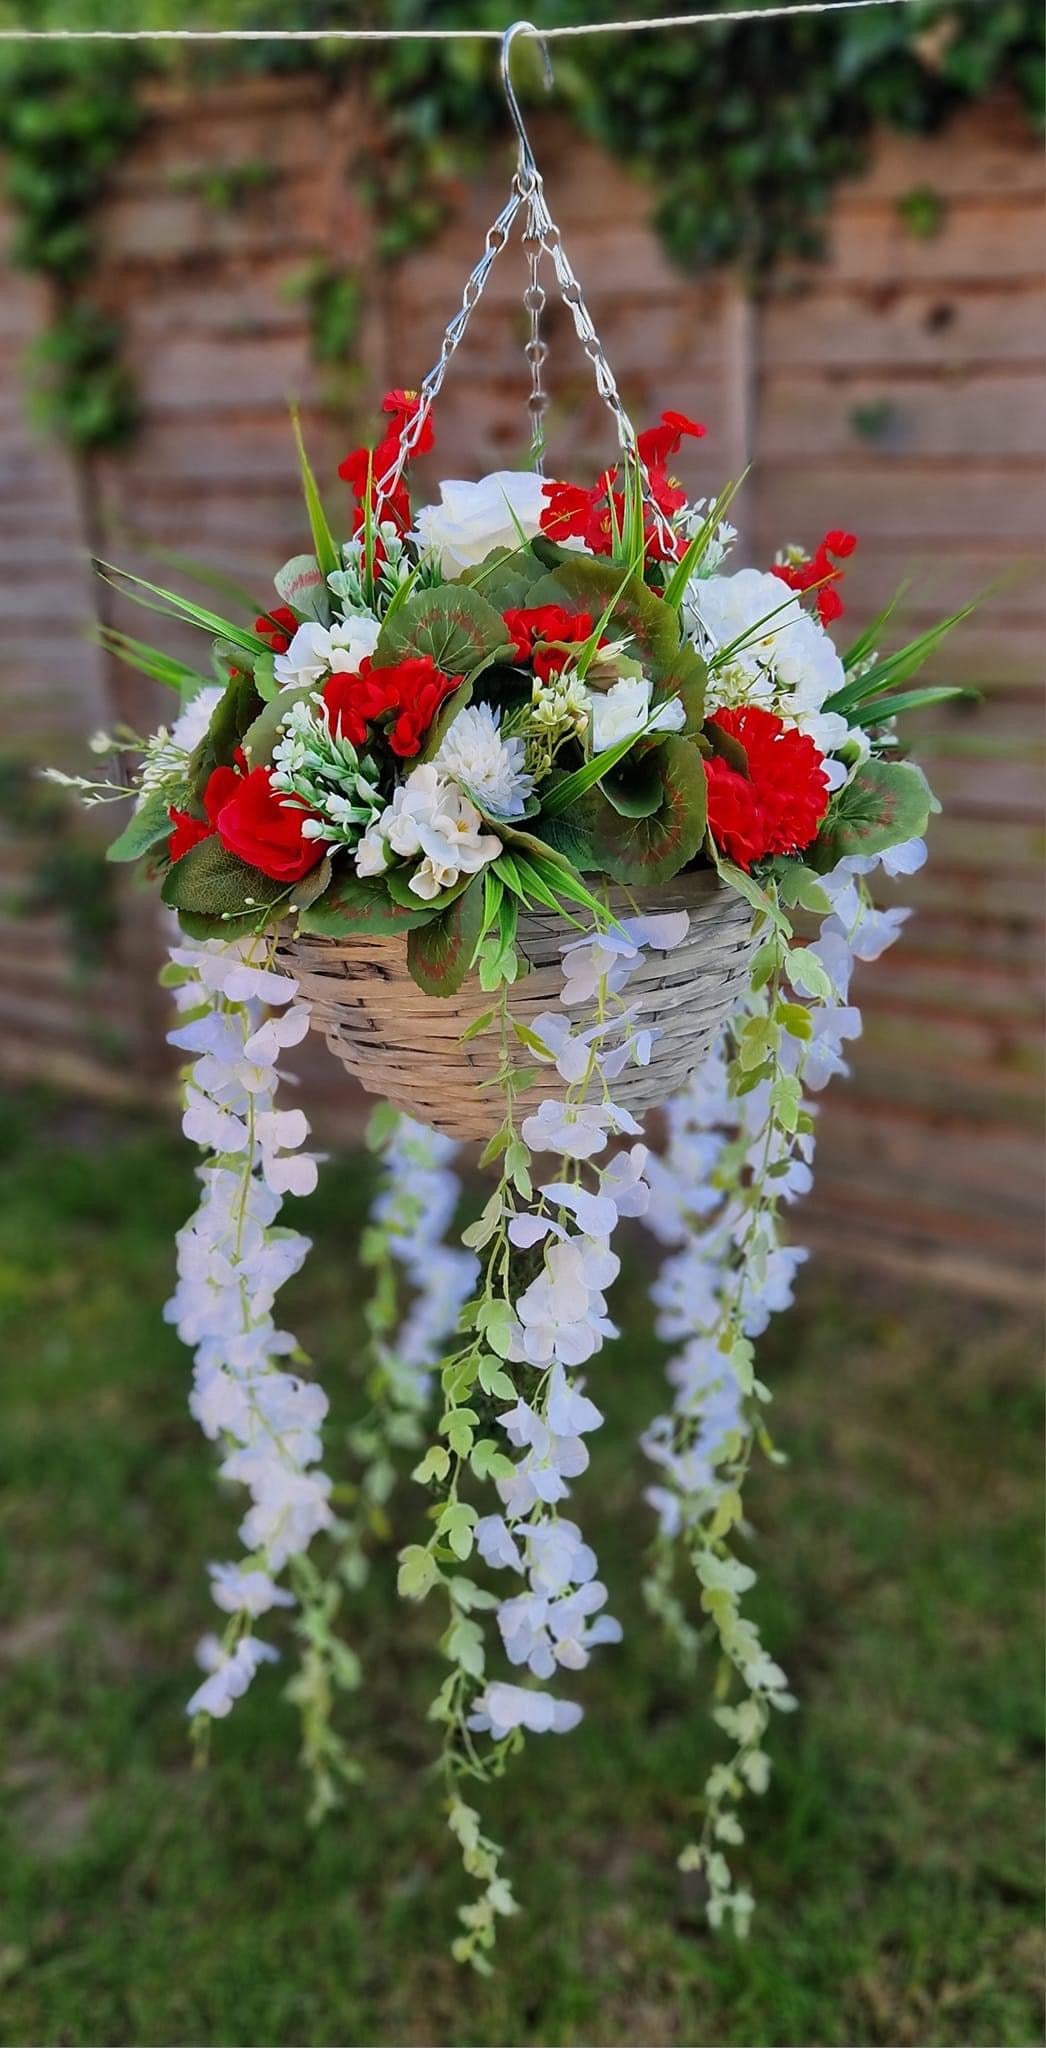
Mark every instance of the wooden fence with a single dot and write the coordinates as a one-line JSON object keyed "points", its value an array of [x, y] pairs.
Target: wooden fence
{"points": [[895, 389]]}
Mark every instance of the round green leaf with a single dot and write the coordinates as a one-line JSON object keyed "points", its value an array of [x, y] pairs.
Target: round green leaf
{"points": [[655, 847]]}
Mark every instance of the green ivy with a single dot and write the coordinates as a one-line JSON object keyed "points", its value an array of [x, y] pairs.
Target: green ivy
{"points": [[740, 131]]}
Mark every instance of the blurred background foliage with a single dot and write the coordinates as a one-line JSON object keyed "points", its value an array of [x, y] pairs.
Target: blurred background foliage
{"points": [[740, 133]]}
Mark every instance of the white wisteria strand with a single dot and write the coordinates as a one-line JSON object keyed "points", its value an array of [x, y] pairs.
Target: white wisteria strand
{"points": [[740, 1149], [237, 1019]]}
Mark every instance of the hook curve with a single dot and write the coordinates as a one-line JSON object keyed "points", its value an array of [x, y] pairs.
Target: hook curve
{"points": [[527, 163]]}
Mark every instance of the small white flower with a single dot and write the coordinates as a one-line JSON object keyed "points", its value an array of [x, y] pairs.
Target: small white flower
{"points": [[503, 1707], [623, 711], [430, 815], [318, 651]]}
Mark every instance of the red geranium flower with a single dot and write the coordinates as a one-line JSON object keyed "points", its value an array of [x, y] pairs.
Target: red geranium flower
{"points": [[536, 630], [363, 468], [821, 572], [188, 831], [277, 628], [413, 690], [353, 701], [656, 444], [263, 828], [778, 807]]}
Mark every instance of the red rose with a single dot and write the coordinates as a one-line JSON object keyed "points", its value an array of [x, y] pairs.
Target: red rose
{"points": [[780, 805], [188, 831], [266, 829]]}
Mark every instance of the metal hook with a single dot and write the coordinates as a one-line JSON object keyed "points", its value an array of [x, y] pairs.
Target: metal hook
{"points": [[527, 163]]}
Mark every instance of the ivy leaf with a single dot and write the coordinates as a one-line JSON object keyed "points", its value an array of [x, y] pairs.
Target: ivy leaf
{"points": [[654, 848], [452, 623], [418, 1572], [439, 953], [886, 803], [361, 907], [210, 881], [149, 824]]}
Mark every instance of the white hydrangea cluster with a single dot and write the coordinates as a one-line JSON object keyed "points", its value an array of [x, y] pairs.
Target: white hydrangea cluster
{"points": [[316, 651], [238, 1019], [560, 1322]]}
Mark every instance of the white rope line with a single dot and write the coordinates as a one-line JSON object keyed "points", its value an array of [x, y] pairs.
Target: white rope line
{"points": [[429, 35]]}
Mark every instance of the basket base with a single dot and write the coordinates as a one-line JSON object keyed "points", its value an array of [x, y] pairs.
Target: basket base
{"points": [[405, 1046]]}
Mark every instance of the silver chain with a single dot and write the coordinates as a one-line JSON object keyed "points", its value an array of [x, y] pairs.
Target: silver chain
{"points": [[540, 236]]}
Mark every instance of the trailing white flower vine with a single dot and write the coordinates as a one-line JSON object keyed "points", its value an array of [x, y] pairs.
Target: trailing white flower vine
{"points": [[237, 1018], [418, 1284], [540, 1313], [741, 1144]]}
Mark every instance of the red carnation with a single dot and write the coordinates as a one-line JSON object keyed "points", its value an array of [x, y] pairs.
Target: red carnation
{"points": [[277, 628], [266, 830], [779, 806]]}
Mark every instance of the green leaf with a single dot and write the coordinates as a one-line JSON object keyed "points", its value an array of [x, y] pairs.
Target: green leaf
{"points": [[452, 623], [882, 708], [439, 954], [152, 662], [161, 600], [261, 735], [654, 848], [636, 788], [302, 584], [434, 1465], [361, 907], [328, 556], [148, 826], [562, 792], [418, 1572], [685, 677], [885, 803], [893, 669], [651, 625], [210, 881], [753, 892], [444, 719], [233, 716]]}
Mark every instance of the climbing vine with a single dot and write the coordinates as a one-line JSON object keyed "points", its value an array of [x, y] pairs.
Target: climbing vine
{"points": [[741, 141]]}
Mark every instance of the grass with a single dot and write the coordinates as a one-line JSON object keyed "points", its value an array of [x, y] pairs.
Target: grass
{"points": [[896, 1858]]}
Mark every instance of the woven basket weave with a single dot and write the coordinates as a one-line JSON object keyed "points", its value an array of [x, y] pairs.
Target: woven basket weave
{"points": [[405, 1046]]}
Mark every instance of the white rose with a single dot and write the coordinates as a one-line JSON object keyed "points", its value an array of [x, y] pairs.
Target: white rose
{"points": [[317, 650], [471, 519], [624, 710]]}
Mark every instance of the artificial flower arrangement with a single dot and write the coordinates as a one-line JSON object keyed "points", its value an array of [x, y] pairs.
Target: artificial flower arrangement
{"points": [[532, 700]]}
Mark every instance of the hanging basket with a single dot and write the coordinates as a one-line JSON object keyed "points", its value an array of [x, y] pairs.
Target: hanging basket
{"points": [[406, 1046]]}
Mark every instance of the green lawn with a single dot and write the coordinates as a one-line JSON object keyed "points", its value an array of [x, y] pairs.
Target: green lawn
{"points": [[896, 1858]]}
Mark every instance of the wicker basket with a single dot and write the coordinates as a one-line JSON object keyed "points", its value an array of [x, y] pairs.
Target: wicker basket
{"points": [[405, 1046]]}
